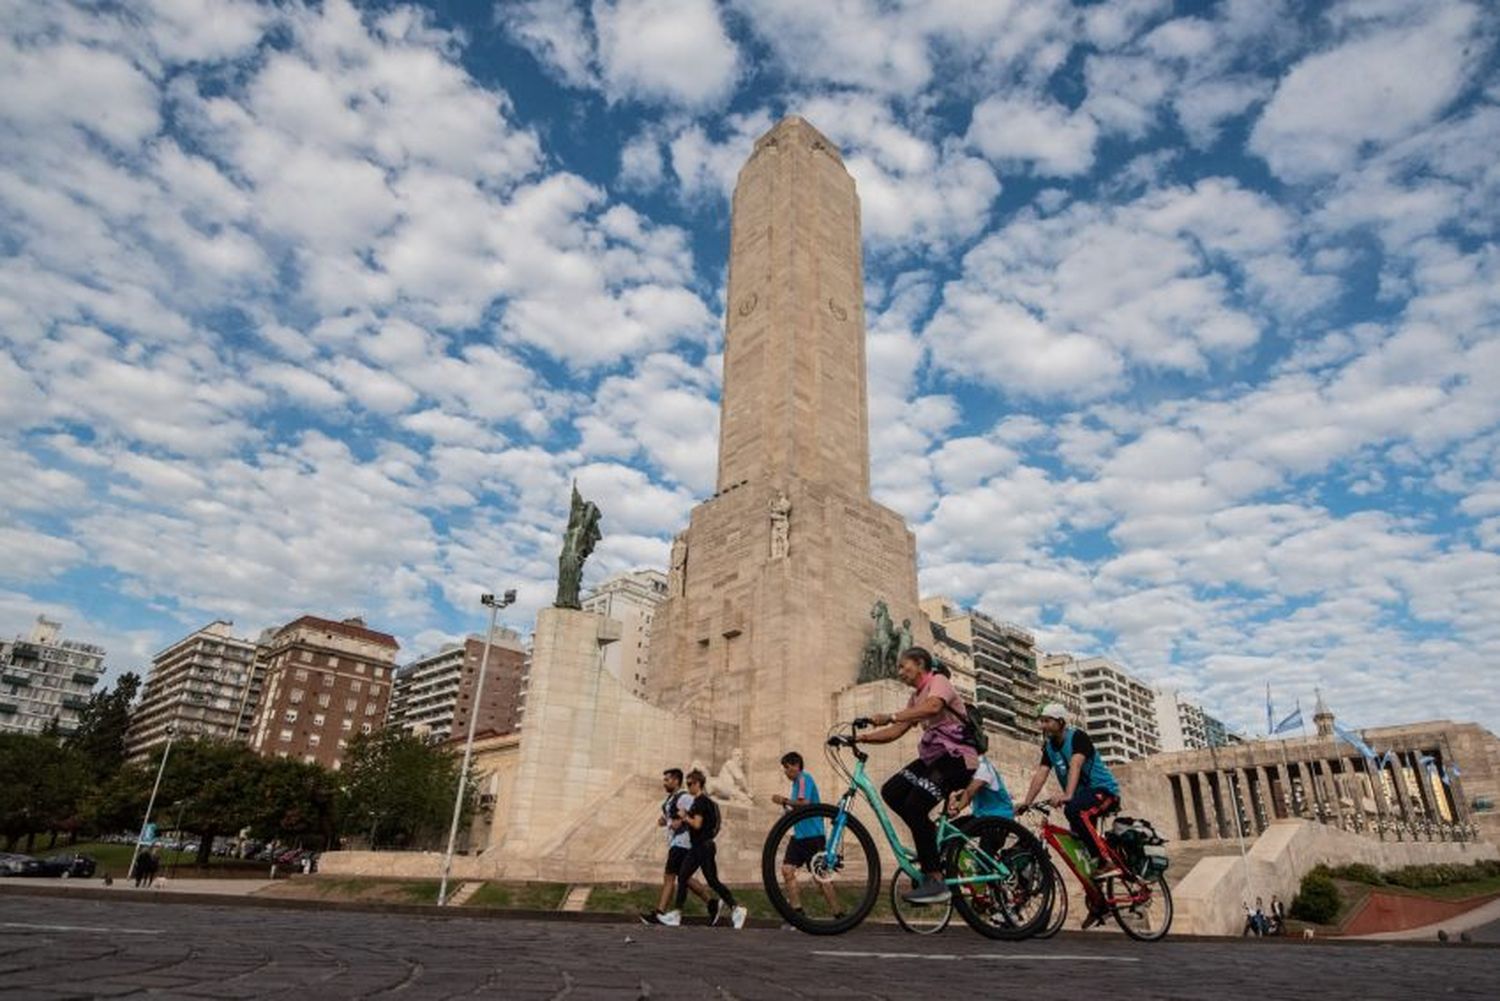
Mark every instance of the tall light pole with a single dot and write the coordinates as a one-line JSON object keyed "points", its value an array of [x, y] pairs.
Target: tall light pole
{"points": [[494, 605], [146, 821]]}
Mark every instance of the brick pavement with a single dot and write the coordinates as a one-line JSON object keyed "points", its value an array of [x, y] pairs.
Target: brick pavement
{"points": [[111, 947]]}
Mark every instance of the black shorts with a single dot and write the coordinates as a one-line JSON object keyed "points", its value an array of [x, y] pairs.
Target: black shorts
{"points": [[800, 851], [675, 855]]}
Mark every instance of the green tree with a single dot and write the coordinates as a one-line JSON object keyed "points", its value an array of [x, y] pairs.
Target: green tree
{"points": [[43, 788], [100, 735], [296, 801], [212, 785], [398, 790], [1318, 899]]}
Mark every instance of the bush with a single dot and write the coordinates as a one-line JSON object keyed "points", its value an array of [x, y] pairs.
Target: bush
{"points": [[1357, 872], [1318, 899]]}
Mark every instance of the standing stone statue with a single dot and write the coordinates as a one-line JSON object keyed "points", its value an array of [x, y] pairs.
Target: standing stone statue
{"points": [[882, 648], [677, 572], [578, 542], [903, 638], [781, 526]]}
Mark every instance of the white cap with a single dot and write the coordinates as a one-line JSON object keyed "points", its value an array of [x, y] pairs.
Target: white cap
{"points": [[1053, 710]]}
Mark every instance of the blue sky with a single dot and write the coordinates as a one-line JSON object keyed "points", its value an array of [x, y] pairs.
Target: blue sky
{"points": [[1182, 317]]}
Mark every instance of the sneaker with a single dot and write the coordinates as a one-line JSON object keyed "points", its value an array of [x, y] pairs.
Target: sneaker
{"points": [[715, 910], [650, 917], [737, 916], [932, 891], [672, 919]]}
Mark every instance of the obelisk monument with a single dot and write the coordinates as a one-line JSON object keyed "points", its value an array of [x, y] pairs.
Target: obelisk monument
{"points": [[774, 578]]}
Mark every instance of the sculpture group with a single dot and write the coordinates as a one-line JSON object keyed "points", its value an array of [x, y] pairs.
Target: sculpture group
{"points": [[886, 644]]}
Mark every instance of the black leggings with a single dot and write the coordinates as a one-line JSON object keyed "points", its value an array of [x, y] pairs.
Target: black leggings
{"points": [[915, 790], [703, 857]]}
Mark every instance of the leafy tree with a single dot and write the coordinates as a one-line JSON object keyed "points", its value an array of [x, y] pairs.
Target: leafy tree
{"points": [[100, 735], [399, 789], [295, 801], [43, 788], [212, 785]]}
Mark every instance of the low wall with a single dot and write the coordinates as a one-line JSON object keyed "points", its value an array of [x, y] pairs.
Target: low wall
{"points": [[1210, 899]]}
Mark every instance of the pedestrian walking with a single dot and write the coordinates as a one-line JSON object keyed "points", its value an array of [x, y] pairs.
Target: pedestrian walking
{"points": [[673, 809], [702, 821]]}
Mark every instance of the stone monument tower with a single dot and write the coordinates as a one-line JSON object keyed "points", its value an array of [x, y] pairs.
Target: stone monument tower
{"points": [[774, 579]]}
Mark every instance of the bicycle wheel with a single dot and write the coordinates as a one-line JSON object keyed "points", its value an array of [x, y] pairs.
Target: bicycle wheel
{"points": [[1013, 906], [1058, 915], [1150, 918], [836, 885], [919, 919]]}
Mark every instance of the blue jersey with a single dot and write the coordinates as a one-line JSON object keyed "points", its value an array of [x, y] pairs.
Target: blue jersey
{"points": [[805, 788], [992, 799], [1095, 773]]}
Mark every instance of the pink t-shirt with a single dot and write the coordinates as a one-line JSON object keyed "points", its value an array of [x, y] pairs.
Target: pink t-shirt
{"points": [[943, 734]]}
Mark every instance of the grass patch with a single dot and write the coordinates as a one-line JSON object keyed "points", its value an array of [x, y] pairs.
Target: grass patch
{"points": [[115, 859], [1457, 891], [622, 899], [520, 896]]}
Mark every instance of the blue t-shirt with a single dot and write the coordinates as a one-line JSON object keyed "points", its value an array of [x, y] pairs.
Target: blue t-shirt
{"points": [[992, 799], [805, 788]]}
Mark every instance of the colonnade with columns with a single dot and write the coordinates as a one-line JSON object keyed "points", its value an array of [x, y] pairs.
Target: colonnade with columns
{"points": [[1244, 788]]}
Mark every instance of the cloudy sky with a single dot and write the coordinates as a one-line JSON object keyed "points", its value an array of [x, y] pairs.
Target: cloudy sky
{"points": [[1184, 319]]}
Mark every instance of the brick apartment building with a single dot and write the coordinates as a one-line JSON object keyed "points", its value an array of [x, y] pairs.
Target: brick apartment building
{"points": [[326, 682], [434, 694]]}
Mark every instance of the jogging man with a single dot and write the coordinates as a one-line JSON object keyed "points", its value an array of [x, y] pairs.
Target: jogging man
{"points": [[702, 822], [807, 835], [673, 809], [945, 762], [1089, 788]]}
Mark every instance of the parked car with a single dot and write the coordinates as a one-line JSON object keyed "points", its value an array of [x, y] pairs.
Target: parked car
{"points": [[68, 864], [19, 865]]}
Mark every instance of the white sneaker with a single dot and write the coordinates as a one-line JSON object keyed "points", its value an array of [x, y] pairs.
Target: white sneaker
{"points": [[672, 919], [737, 916]]}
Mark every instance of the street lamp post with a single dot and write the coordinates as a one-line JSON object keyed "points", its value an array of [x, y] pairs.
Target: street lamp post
{"points": [[494, 605], [151, 803]]}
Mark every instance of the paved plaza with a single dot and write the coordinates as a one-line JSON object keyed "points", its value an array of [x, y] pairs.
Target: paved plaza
{"points": [[53, 947]]}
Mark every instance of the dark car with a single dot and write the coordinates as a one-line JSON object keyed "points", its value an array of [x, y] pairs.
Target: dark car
{"points": [[68, 864], [19, 865]]}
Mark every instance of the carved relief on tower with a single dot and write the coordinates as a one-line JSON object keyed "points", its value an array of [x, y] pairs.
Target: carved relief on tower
{"points": [[677, 573], [781, 527]]}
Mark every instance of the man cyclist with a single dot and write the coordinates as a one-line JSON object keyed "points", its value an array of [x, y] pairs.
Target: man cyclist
{"points": [[945, 762], [1089, 788]]}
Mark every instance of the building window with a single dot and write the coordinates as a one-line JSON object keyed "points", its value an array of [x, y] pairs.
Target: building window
{"points": [[359, 669], [327, 679], [291, 716], [301, 674], [306, 659], [350, 705], [347, 725], [343, 743], [370, 708], [380, 672], [323, 700], [295, 696], [313, 740], [333, 661], [374, 690], [356, 686], [309, 759], [317, 719], [285, 736], [337, 764], [365, 728]]}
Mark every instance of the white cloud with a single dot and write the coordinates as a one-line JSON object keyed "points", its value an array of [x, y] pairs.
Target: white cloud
{"points": [[1056, 141], [673, 50], [1375, 87]]}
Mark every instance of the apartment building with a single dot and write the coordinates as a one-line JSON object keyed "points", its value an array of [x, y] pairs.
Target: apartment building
{"points": [[207, 684], [1119, 712], [1006, 685], [631, 599], [325, 683], [45, 679], [433, 696], [1056, 684]]}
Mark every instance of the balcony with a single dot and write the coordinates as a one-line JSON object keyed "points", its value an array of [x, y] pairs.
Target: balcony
{"points": [[83, 678], [74, 702], [7, 708], [19, 680]]}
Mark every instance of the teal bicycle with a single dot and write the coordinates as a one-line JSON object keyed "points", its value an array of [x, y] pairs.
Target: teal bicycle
{"points": [[1001, 879]]}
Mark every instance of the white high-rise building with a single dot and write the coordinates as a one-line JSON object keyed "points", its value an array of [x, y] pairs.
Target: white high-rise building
{"points": [[43, 679], [631, 599], [1119, 712], [433, 696], [207, 684]]}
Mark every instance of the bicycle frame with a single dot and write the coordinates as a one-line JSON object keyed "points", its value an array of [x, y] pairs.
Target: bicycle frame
{"points": [[1053, 835], [860, 784]]}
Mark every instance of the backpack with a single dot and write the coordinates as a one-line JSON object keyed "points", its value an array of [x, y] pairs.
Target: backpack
{"points": [[971, 724], [710, 811]]}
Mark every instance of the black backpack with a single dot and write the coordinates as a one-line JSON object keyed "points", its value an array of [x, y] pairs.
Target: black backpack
{"points": [[710, 811], [972, 725]]}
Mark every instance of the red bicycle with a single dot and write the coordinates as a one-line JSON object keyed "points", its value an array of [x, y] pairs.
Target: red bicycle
{"points": [[1131, 883]]}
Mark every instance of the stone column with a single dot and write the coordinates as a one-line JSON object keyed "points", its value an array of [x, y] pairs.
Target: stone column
{"points": [[1179, 807], [1200, 813], [1221, 830]]}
